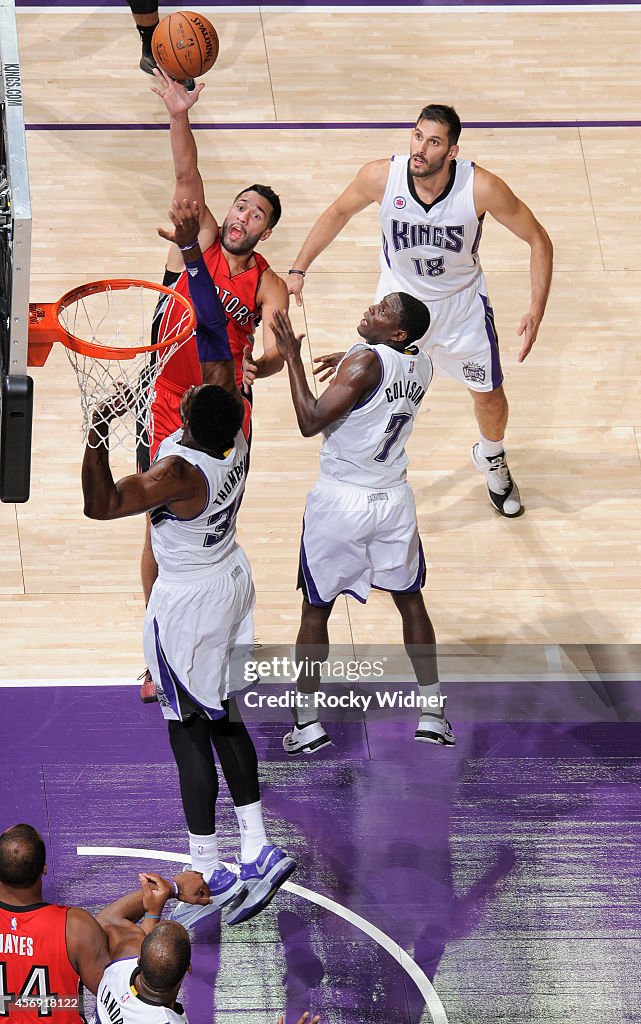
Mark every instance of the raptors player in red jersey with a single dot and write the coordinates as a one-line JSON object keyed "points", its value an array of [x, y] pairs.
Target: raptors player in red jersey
{"points": [[47, 950], [249, 289], [44, 949]]}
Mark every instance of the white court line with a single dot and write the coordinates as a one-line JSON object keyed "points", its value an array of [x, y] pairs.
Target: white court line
{"points": [[402, 958], [6, 684]]}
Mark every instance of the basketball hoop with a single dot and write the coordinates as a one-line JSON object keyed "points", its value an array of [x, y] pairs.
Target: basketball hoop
{"points": [[105, 327]]}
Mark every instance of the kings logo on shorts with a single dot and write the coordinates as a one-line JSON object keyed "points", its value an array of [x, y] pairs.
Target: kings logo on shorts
{"points": [[475, 372]]}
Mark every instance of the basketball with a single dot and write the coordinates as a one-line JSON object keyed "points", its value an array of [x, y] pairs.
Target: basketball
{"points": [[185, 45]]}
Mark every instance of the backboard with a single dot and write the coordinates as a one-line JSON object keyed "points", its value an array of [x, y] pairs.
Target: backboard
{"points": [[15, 256]]}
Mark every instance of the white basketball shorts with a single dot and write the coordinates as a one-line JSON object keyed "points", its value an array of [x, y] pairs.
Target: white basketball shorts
{"points": [[198, 634], [462, 340], [355, 539]]}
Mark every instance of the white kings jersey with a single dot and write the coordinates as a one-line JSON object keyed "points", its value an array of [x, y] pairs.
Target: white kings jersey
{"points": [[367, 446], [429, 251], [188, 545], [118, 1003]]}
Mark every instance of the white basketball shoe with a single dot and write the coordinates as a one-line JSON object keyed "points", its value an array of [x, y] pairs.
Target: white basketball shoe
{"points": [[435, 729], [502, 491], [306, 739], [224, 887]]}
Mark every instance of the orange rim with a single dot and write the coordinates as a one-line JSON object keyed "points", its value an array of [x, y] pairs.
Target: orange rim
{"points": [[89, 348]]}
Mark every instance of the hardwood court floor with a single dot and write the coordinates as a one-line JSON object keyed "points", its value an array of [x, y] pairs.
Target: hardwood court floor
{"points": [[101, 181]]}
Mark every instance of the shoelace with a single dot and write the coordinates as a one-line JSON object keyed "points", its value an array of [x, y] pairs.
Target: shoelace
{"points": [[498, 465]]}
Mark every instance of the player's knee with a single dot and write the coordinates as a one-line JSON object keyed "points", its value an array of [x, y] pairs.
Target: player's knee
{"points": [[315, 613], [409, 603], [491, 401], [143, 6]]}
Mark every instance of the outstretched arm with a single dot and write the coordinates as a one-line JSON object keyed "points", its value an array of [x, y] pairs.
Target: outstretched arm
{"points": [[189, 183], [492, 194], [367, 187], [172, 479], [356, 379], [214, 351]]}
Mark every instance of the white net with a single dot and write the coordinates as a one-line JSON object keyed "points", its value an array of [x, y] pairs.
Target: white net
{"points": [[123, 318]]}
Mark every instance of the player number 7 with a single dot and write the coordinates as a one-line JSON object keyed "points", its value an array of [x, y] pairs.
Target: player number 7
{"points": [[396, 423]]}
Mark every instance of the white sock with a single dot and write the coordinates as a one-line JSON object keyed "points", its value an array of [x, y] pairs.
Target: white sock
{"points": [[306, 709], [252, 831], [434, 707], [204, 854], [488, 449]]}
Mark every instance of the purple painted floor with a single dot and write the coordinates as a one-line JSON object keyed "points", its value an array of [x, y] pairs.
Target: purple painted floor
{"points": [[507, 867]]}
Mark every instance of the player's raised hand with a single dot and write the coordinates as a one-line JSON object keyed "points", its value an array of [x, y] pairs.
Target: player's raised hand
{"points": [[305, 1019], [328, 365], [192, 888], [185, 217], [175, 96], [287, 343], [295, 285], [119, 403]]}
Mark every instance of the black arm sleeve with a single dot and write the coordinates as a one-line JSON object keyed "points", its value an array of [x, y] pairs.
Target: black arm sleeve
{"points": [[211, 322]]}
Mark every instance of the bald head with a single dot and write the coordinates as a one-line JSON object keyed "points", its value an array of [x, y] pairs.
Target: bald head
{"points": [[165, 956], [22, 856]]}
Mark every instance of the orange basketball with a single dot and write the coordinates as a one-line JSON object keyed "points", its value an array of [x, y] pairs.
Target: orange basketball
{"points": [[185, 45]]}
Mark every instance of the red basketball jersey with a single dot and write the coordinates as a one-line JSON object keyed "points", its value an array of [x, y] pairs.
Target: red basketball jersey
{"points": [[34, 966], [238, 296]]}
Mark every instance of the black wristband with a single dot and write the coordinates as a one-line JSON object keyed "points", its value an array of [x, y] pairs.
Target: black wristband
{"points": [[301, 273], [186, 248]]}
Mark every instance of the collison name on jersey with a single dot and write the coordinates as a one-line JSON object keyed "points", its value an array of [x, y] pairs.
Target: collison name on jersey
{"points": [[409, 389], [366, 447]]}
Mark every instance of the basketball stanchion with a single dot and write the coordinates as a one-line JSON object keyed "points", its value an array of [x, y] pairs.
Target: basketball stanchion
{"points": [[105, 328]]}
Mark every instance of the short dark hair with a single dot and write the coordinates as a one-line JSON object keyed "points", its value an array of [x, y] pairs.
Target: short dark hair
{"points": [[443, 115], [22, 856], [267, 193], [214, 418], [414, 318], [165, 955]]}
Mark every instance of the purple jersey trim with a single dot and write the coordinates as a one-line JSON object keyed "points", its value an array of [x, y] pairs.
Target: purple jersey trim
{"points": [[493, 338], [166, 674], [385, 248], [477, 237], [312, 594], [362, 404]]}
